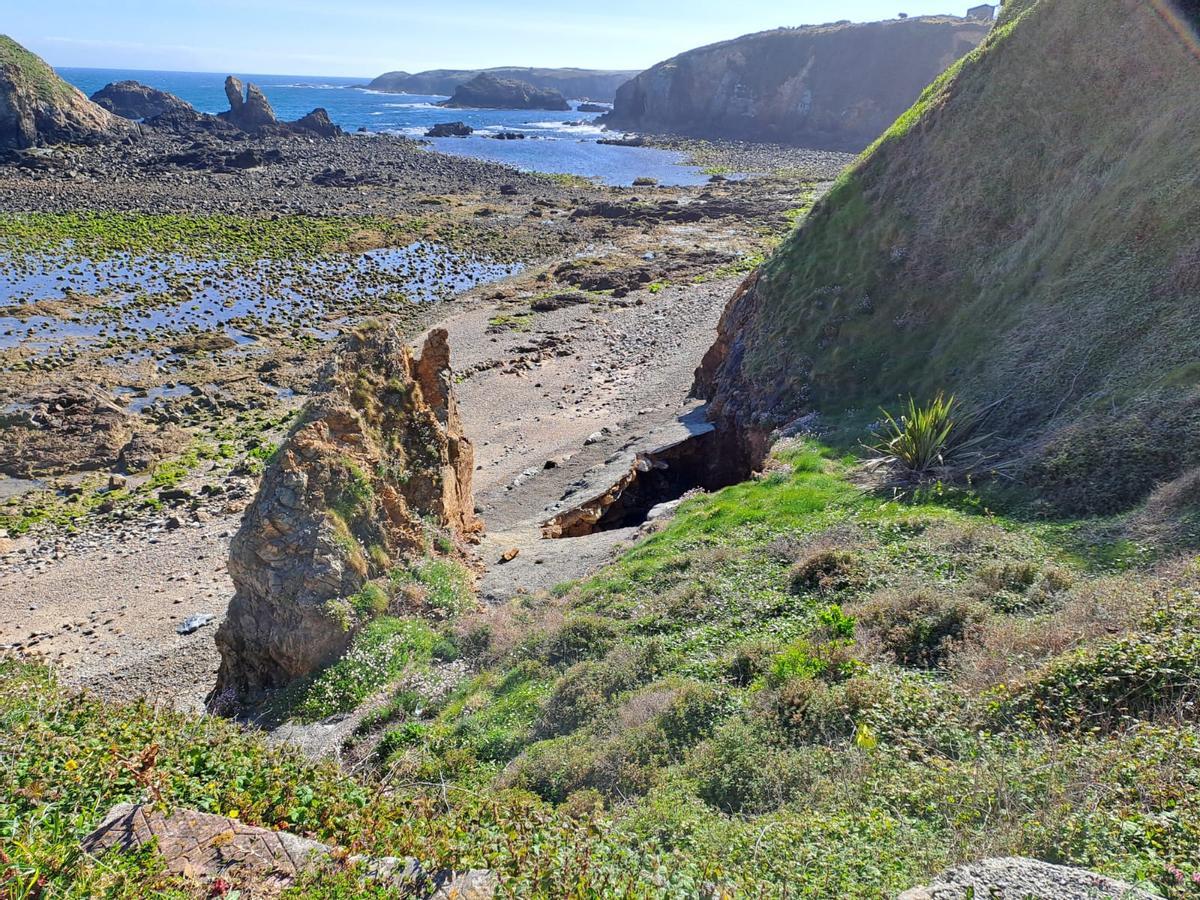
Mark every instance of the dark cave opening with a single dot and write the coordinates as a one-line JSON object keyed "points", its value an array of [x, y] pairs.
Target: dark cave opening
{"points": [[658, 477]]}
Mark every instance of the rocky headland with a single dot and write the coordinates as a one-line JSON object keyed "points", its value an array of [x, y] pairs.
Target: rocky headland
{"points": [[831, 87], [575, 83], [133, 100], [487, 91]]}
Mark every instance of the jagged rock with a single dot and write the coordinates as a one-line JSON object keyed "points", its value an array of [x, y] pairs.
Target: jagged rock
{"points": [[1015, 878], [379, 452], [450, 129], [39, 108], [204, 847], [317, 122], [252, 113], [133, 100], [833, 86], [593, 108], [486, 91]]}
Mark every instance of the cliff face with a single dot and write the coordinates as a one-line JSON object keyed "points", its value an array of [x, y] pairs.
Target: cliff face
{"points": [[378, 454], [1028, 233], [575, 83], [37, 107], [489, 92], [830, 86]]}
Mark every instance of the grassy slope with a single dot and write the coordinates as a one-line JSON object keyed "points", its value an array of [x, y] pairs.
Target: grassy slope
{"points": [[745, 698], [1027, 232], [33, 70]]}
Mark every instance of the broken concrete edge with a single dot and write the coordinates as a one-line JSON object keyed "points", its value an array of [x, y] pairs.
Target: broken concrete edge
{"points": [[587, 505], [204, 846]]}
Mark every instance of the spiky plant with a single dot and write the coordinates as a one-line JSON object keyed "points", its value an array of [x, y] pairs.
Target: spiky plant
{"points": [[934, 439]]}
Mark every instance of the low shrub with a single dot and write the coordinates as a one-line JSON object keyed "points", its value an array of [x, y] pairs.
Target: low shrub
{"points": [[1134, 677], [827, 571], [578, 638], [919, 626]]}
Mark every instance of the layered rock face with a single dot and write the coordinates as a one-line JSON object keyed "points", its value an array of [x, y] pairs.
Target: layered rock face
{"points": [[578, 83], [378, 453], [486, 91], [133, 100], [834, 87], [1028, 236], [37, 107]]}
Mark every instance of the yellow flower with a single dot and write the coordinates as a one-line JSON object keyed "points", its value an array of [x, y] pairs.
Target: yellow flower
{"points": [[72, 765], [233, 813]]}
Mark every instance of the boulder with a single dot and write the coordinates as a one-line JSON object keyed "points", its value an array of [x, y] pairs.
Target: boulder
{"points": [[133, 100], [317, 122], [1015, 878], [450, 129], [38, 108], [205, 847], [486, 91], [378, 458]]}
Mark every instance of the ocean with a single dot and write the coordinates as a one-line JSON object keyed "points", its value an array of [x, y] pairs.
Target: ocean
{"points": [[560, 142]]}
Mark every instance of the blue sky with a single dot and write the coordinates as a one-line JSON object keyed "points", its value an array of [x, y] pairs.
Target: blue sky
{"points": [[366, 37]]}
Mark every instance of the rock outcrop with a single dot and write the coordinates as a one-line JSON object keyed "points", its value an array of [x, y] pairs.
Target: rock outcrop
{"points": [[835, 87], [577, 83], [1027, 236], [250, 113], [316, 122], [134, 100], [1015, 878], [378, 457], [450, 129], [486, 91], [205, 847], [39, 108]]}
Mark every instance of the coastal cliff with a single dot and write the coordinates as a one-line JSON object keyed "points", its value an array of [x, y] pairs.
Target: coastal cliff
{"points": [[38, 108], [1025, 235], [834, 87]]}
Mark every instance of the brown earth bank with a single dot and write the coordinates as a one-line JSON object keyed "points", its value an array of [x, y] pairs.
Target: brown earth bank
{"points": [[563, 370]]}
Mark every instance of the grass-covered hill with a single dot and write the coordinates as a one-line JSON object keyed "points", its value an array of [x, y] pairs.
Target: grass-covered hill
{"points": [[1028, 233]]}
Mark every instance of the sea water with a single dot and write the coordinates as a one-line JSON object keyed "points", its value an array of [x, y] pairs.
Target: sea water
{"points": [[560, 142]]}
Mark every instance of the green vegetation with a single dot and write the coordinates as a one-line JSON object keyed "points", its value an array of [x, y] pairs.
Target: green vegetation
{"points": [[512, 321], [934, 439], [1044, 265], [793, 676], [34, 71], [236, 238]]}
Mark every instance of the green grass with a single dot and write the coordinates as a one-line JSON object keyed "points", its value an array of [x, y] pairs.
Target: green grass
{"points": [[1045, 266], [698, 713], [34, 71]]}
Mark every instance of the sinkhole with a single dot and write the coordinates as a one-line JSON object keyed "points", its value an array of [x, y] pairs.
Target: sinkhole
{"points": [[655, 477]]}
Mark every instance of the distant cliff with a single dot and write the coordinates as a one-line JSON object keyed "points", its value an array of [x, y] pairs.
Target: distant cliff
{"points": [[827, 86], [579, 84]]}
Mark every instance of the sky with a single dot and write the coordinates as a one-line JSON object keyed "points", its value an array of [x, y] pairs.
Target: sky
{"points": [[363, 38]]}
